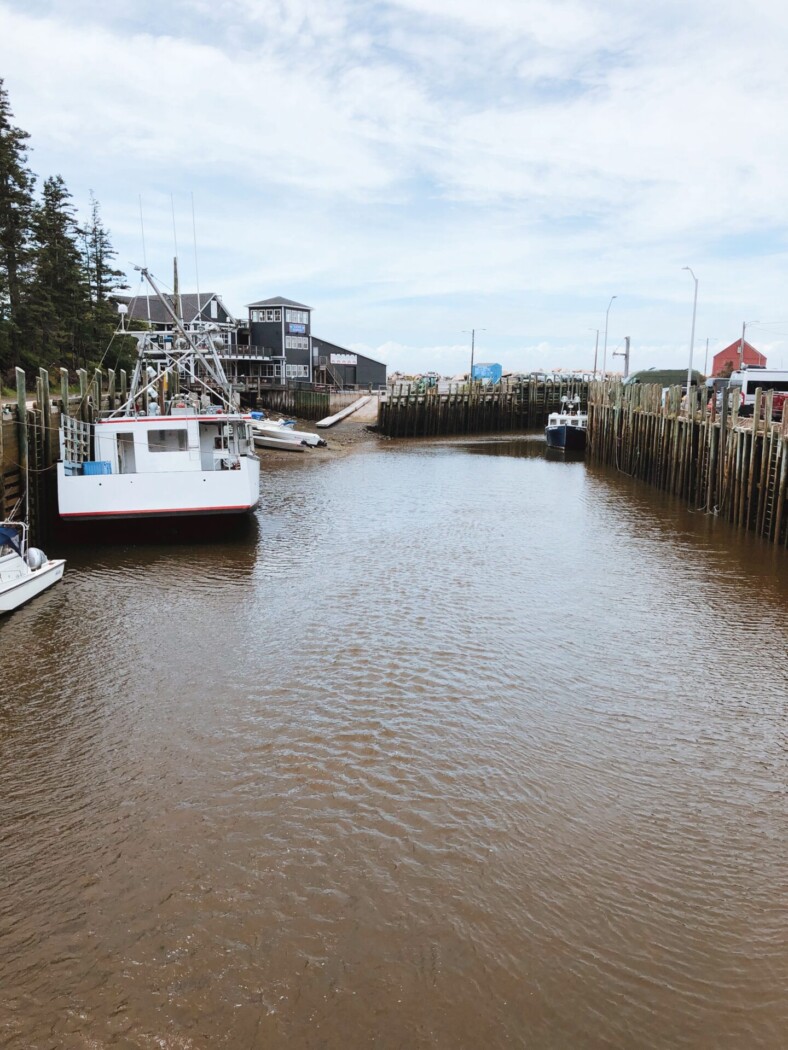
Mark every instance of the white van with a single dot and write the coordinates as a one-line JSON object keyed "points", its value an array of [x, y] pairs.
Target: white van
{"points": [[748, 380]]}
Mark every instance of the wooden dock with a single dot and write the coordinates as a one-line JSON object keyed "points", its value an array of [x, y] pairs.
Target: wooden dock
{"points": [[717, 461], [406, 412], [29, 440]]}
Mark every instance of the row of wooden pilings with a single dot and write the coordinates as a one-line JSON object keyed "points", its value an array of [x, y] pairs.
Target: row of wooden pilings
{"points": [[29, 440], [709, 455], [408, 412]]}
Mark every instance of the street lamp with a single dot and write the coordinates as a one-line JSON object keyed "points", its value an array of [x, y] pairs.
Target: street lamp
{"points": [[604, 352], [692, 334], [596, 347], [472, 333]]}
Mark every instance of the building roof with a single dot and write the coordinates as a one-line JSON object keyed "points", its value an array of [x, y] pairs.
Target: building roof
{"points": [[343, 350], [150, 307], [278, 300], [730, 356]]}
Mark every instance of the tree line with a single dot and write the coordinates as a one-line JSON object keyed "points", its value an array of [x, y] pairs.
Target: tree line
{"points": [[57, 275]]}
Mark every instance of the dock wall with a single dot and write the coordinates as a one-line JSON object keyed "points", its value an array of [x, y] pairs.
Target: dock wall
{"points": [[406, 412], [30, 444], [716, 461]]}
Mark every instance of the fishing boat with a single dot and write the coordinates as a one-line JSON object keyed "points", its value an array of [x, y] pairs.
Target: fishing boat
{"points": [[178, 446], [567, 429], [24, 571]]}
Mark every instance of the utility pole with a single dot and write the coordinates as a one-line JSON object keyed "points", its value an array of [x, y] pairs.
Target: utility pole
{"points": [[472, 332], [625, 354], [706, 358], [604, 352], [692, 332], [741, 344], [596, 347]]}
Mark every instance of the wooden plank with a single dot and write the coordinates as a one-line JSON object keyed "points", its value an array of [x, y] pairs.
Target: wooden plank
{"points": [[329, 421]]}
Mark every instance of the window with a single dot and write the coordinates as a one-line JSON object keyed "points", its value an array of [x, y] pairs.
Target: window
{"points": [[214, 309], [296, 342], [298, 371], [299, 316], [168, 440], [766, 384]]}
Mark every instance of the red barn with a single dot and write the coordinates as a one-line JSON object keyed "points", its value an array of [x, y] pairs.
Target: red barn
{"points": [[729, 359]]}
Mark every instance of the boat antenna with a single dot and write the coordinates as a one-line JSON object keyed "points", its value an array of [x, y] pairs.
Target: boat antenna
{"points": [[176, 289], [144, 255], [196, 268]]}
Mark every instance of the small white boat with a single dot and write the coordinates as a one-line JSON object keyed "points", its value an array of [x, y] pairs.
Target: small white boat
{"points": [[265, 440], [24, 571], [284, 430]]}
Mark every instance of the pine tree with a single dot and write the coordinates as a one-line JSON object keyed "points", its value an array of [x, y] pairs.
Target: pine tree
{"points": [[16, 204], [103, 279], [56, 313]]}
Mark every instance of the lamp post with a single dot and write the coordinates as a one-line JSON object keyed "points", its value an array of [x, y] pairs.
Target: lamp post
{"points": [[692, 334], [596, 347], [604, 352], [472, 332]]}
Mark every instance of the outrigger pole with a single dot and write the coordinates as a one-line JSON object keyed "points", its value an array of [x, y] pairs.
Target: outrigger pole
{"points": [[215, 370]]}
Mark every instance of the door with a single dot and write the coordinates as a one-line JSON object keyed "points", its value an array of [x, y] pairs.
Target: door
{"points": [[127, 463]]}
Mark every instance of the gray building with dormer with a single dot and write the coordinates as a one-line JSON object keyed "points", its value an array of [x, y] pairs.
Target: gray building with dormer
{"points": [[275, 346], [285, 327]]}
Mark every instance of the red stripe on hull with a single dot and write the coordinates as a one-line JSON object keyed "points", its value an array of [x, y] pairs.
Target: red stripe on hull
{"points": [[165, 512]]}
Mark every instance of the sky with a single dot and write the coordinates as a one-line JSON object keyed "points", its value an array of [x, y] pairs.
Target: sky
{"points": [[415, 169]]}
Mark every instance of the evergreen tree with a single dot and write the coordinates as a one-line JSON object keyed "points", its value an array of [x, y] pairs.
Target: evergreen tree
{"points": [[102, 278], [16, 204], [56, 314]]}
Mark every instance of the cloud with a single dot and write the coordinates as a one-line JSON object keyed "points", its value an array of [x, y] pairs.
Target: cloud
{"points": [[416, 167]]}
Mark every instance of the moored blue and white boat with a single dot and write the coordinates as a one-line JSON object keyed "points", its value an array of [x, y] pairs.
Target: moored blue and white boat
{"points": [[567, 429]]}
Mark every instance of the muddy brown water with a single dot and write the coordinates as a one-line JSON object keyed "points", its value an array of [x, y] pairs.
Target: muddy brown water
{"points": [[460, 745]]}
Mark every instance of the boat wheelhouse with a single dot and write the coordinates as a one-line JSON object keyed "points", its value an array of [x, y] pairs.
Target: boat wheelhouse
{"points": [[161, 455]]}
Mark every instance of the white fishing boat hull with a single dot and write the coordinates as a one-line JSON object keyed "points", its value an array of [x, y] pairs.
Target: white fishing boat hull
{"points": [[165, 494], [18, 588]]}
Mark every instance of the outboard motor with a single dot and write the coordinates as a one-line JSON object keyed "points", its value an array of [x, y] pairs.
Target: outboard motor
{"points": [[35, 558]]}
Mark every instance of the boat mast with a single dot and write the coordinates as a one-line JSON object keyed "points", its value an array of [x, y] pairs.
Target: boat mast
{"points": [[211, 363]]}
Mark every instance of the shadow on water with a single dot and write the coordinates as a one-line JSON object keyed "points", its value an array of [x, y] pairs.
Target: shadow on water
{"points": [[528, 447], [213, 529]]}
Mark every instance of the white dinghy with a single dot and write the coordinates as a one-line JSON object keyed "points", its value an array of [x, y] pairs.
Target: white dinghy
{"points": [[282, 430], [24, 571]]}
